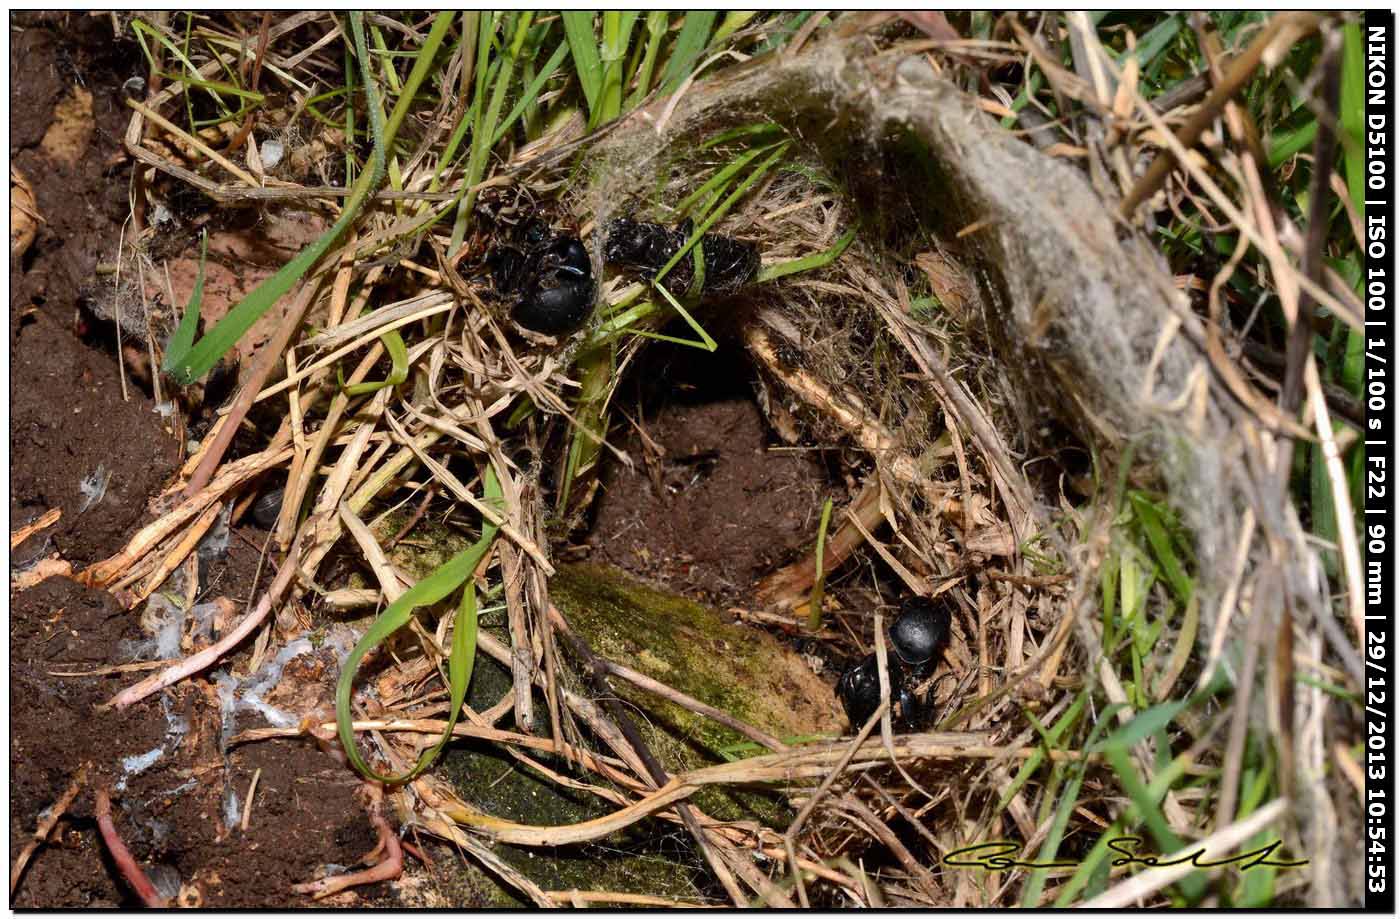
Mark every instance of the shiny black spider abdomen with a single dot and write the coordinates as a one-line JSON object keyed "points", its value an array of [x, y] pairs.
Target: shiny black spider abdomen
{"points": [[729, 263], [917, 638], [859, 688], [919, 634], [560, 295], [552, 276]]}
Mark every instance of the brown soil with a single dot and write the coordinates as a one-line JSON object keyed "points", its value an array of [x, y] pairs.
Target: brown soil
{"points": [[68, 418], [710, 506]]}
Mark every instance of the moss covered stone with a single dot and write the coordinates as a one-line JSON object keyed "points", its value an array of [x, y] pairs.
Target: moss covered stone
{"points": [[683, 644]]}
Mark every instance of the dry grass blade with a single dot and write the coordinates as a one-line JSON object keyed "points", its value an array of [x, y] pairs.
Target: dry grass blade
{"points": [[197, 662], [43, 522], [1139, 887], [47, 822]]}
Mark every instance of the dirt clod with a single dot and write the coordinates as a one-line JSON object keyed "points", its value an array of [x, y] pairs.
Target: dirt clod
{"points": [[710, 506]]}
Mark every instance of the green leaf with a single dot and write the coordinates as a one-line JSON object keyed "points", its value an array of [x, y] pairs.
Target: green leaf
{"points": [[426, 592], [398, 354], [1353, 113], [183, 338]]}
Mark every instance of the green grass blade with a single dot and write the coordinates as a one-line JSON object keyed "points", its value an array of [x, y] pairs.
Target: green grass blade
{"points": [[1088, 877], [459, 670], [433, 588], [807, 262], [1286, 144], [1353, 113], [398, 354], [486, 129], [690, 42], [231, 328], [532, 90], [1051, 737], [241, 317], [780, 33], [183, 338], [710, 220], [1193, 885], [706, 343], [760, 129], [720, 179], [422, 65], [1157, 40], [1049, 850], [1152, 527], [617, 35], [1144, 724], [658, 22], [141, 28], [734, 20], [578, 31]]}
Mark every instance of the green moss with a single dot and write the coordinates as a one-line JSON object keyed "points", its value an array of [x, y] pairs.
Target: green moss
{"points": [[426, 548], [650, 858], [692, 648], [683, 644]]}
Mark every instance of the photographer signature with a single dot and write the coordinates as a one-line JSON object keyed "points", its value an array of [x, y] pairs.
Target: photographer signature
{"points": [[996, 856]]}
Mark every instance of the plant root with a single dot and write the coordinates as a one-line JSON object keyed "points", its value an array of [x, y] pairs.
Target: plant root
{"points": [[135, 878], [389, 867]]}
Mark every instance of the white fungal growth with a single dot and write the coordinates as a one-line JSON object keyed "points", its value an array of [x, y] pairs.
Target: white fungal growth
{"points": [[177, 790], [204, 616], [176, 725], [215, 543], [135, 765], [271, 153], [249, 693], [232, 810], [166, 881], [168, 635], [267, 679], [94, 487], [163, 620]]}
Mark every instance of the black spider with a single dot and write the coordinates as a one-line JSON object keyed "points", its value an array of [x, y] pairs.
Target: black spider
{"points": [[729, 263], [916, 639], [552, 276]]}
